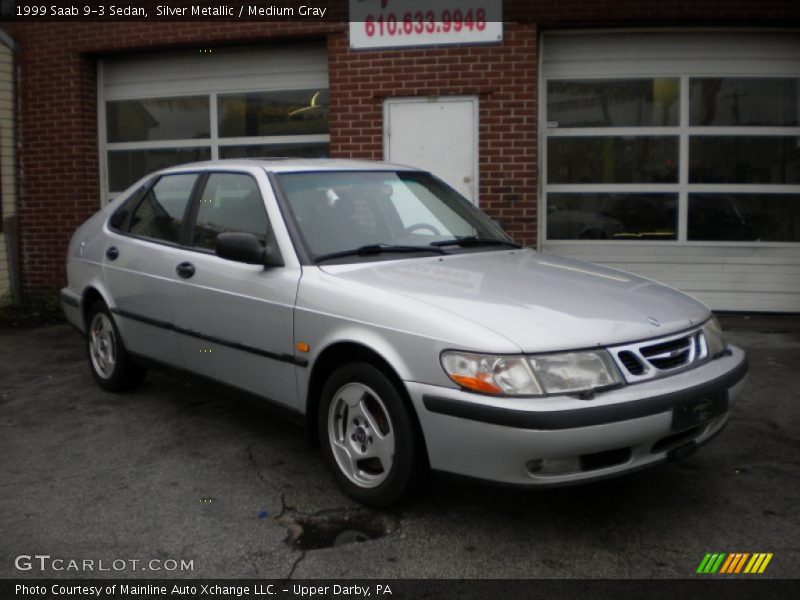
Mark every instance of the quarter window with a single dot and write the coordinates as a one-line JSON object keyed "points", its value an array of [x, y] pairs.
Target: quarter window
{"points": [[160, 213], [229, 202]]}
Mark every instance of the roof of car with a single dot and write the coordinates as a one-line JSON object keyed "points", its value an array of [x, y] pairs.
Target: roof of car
{"points": [[284, 165]]}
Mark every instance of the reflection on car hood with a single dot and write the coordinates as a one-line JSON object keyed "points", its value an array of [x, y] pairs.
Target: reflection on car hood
{"points": [[538, 301]]}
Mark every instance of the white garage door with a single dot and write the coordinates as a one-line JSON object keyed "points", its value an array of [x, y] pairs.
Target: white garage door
{"points": [[676, 156], [158, 110]]}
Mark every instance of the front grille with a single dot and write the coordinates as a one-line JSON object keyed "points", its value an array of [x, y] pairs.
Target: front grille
{"points": [[661, 356], [669, 355], [631, 363]]}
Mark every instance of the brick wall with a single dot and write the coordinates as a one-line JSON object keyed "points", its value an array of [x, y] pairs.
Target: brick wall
{"points": [[59, 184], [7, 174]]}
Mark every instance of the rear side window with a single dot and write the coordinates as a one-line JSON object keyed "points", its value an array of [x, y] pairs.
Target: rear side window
{"points": [[229, 202], [160, 214]]}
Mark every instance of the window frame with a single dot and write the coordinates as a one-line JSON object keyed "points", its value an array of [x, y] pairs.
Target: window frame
{"points": [[137, 201], [683, 188], [194, 211], [303, 250], [191, 210], [136, 198], [214, 142]]}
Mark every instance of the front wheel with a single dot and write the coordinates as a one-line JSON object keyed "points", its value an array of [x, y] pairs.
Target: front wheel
{"points": [[368, 435], [110, 364]]}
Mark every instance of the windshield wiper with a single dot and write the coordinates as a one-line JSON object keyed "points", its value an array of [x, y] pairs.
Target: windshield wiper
{"points": [[374, 249], [472, 240]]}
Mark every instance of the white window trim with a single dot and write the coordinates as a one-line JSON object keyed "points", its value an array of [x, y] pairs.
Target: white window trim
{"points": [[220, 142]]}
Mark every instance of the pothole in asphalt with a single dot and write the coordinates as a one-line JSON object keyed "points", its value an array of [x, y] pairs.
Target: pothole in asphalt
{"points": [[337, 527]]}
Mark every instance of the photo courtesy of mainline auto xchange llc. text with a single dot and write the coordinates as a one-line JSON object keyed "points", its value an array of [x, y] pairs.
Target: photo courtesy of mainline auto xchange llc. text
{"points": [[212, 590], [322, 297]]}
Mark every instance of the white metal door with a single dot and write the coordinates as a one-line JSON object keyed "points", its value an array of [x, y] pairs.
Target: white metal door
{"points": [[436, 134]]}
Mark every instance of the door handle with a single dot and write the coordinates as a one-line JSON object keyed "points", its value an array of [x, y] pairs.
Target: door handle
{"points": [[185, 270], [112, 253]]}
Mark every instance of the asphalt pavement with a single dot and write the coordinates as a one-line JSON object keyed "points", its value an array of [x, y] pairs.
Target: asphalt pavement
{"points": [[181, 472]]}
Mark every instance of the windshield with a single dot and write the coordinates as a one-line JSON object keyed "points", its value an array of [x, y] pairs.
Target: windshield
{"points": [[339, 211]]}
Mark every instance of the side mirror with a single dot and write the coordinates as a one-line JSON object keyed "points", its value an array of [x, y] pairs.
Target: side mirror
{"points": [[246, 248]]}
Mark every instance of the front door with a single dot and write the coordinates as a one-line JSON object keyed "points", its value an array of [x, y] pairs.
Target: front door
{"points": [[439, 135], [233, 320]]}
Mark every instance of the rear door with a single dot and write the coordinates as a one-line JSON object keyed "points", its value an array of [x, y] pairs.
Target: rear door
{"points": [[139, 267], [233, 320]]}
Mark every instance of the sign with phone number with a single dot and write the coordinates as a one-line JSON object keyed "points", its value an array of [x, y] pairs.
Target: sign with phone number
{"points": [[399, 23]]}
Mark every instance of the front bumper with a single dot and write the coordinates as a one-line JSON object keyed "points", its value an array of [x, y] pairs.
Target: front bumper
{"points": [[563, 439]]}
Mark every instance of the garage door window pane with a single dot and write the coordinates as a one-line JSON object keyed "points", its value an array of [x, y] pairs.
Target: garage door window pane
{"points": [[160, 214], [612, 216], [612, 159], [297, 112], [179, 118], [766, 102], [275, 150], [740, 159], [613, 103], [125, 167], [229, 202], [744, 217]]}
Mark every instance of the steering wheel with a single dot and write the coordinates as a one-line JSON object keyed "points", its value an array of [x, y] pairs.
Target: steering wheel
{"points": [[428, 226]]}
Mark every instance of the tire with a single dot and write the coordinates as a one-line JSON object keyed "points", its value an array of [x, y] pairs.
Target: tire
{"points": [[111, 366], [368, 435]]}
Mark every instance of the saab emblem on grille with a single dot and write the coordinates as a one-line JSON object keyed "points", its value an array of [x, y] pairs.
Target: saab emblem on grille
{"points": [[654, 322]]}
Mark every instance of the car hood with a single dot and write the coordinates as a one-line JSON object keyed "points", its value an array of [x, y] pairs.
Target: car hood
{"points": [[539, 302]]}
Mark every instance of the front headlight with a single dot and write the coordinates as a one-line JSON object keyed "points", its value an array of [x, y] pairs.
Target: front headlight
{"points": [[575, 371], [715, 341], [563, 373], [491, 374]]}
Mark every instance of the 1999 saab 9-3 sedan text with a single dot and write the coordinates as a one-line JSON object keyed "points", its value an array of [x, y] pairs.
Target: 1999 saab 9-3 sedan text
{"points": [[399, 322]]}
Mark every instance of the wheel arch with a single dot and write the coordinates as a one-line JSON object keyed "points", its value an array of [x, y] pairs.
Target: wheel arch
{"points": [[91, 294], [339, 354]]}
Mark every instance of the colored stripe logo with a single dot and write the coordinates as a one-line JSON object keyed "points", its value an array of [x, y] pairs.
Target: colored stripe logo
{"points": [[734, 563]]}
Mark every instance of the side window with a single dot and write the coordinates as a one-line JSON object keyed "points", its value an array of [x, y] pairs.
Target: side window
{"points": [[160, 213], [229, 202]]}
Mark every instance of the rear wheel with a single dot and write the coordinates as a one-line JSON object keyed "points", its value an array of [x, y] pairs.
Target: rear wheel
{"points": [[368, 435], [111, 366]]}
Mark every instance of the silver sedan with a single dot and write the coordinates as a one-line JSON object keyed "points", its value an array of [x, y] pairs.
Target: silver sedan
{"points": [[398, 322]]}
